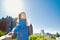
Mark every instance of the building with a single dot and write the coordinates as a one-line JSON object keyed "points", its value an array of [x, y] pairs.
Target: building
{"points": [[48, 35], [3, 24], [30, 29], [7, 24], [14, 22], [42, 32]]}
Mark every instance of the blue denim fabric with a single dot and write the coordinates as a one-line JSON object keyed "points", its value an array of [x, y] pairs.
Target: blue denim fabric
{"points": [[21, 30]]}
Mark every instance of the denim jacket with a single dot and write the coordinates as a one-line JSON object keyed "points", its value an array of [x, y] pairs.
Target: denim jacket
{"points": [[21, 30]]}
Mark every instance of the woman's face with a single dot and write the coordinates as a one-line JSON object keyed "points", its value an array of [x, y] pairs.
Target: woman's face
{"points": [[23, 16]]}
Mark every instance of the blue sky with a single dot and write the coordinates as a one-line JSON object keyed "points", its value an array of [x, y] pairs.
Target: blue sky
{"points": [[43, 14]]}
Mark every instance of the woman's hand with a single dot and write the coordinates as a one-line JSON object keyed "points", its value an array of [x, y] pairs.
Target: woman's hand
{"points": [[10, 34]]}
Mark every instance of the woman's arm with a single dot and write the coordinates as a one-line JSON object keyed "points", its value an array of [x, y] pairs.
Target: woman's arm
{"points": [[10, 34], [17, 27]]}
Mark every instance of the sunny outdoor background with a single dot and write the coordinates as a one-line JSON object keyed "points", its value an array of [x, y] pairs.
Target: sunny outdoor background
{"points": [[44, 15]]}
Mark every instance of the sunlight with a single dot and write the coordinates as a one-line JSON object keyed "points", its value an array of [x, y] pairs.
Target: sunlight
{"points": [[12, 7]]}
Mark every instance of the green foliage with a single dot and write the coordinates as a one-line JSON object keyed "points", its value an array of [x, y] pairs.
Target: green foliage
{"points": [[2, 33], [32, 37], [35, 37], [57, 34], [40, 37], [14, 39]]}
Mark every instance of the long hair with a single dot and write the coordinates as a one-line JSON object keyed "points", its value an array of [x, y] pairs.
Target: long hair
{"points": [[19, 17]]}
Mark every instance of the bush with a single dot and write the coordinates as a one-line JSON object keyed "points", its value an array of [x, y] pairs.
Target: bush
{"points": [[14, 39], [40, 37], [2, 33]]}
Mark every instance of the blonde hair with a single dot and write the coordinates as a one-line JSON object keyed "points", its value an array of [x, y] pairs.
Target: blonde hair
{"points": [[19, 17]]}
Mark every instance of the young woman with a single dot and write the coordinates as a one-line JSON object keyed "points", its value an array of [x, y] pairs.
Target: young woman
{"points": [[21, 28]]}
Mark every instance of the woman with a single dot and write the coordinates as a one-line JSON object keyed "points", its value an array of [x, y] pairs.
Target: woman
{"points": [[21, 27]]}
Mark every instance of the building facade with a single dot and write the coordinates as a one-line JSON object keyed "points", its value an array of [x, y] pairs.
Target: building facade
{"points": [[30, 29], [7, 24]]}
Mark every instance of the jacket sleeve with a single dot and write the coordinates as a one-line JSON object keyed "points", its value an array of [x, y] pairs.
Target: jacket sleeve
{"points": [[18, 26]]}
